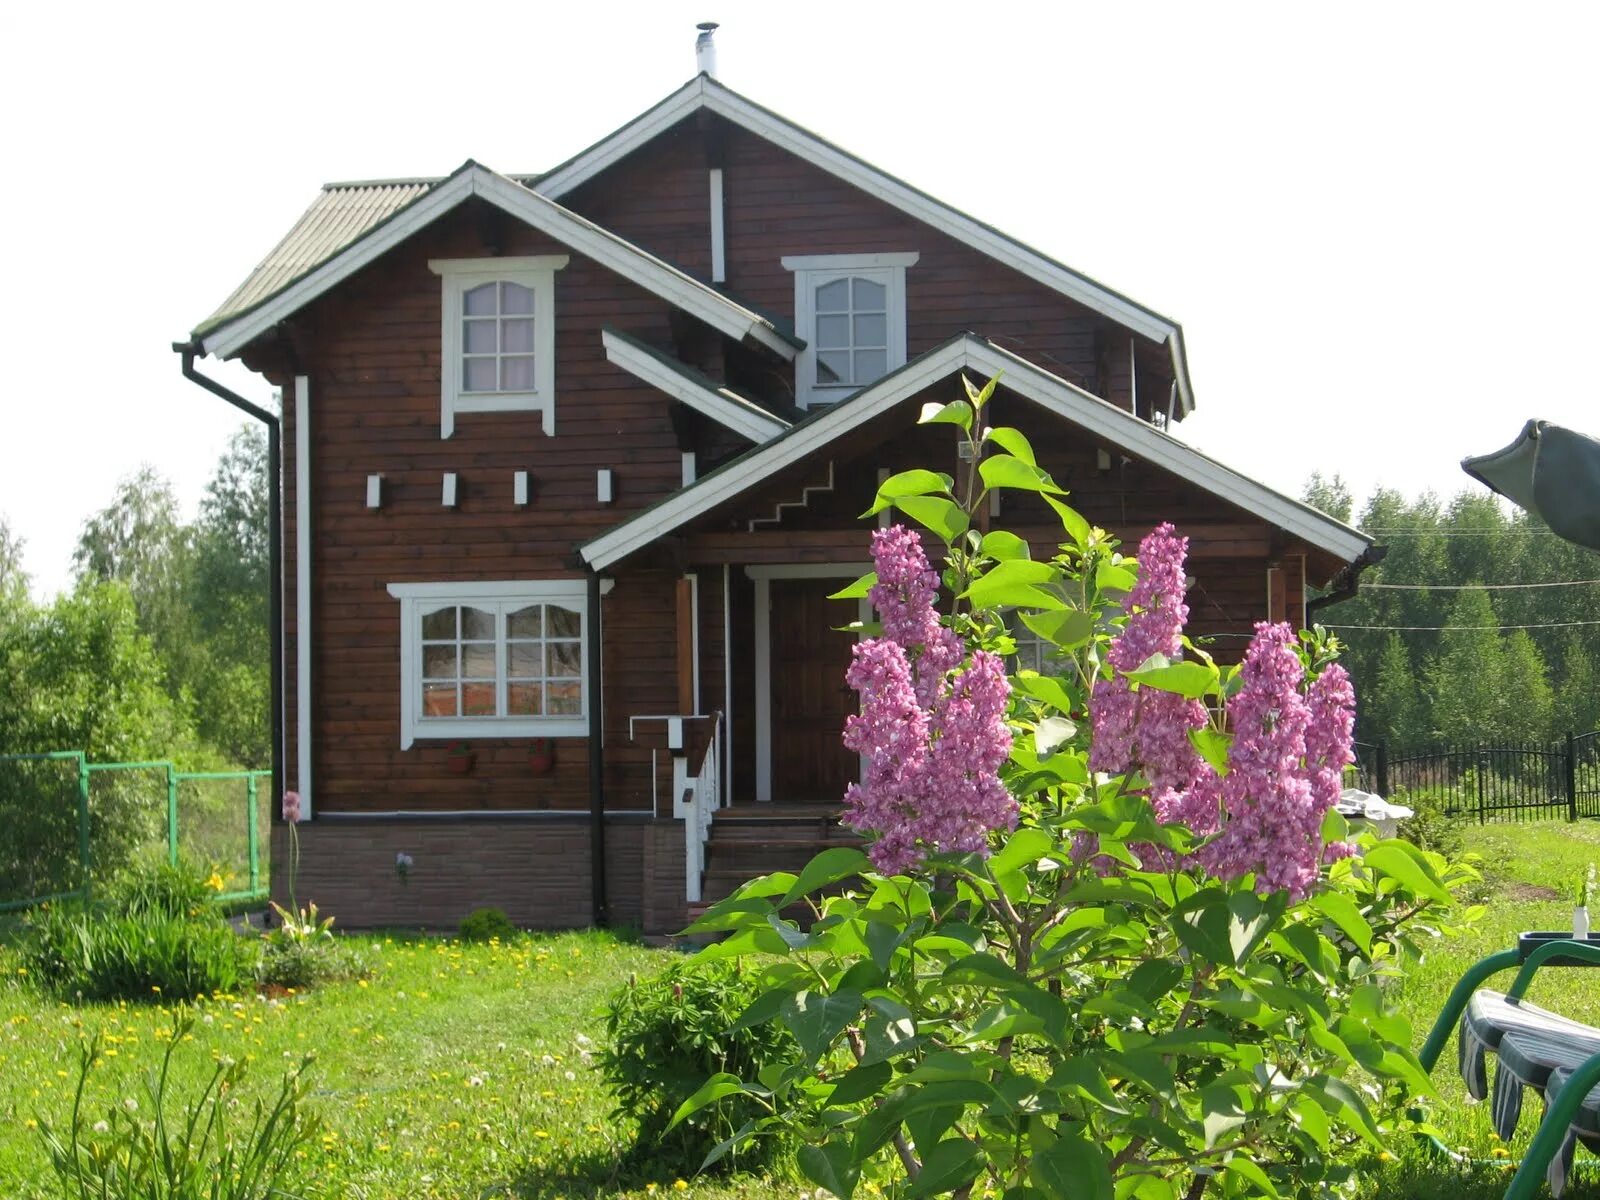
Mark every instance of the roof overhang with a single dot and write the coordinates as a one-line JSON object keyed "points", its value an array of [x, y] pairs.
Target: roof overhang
{"points": [[971, 353], [690, 387], [537, 211], [705, 94]]}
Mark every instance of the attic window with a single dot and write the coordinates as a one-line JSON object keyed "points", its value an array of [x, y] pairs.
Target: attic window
{"points": [[497, 345], [851, 311]]}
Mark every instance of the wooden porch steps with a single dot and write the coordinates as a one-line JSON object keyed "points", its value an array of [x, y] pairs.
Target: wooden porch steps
{"points": [[749, 840]]}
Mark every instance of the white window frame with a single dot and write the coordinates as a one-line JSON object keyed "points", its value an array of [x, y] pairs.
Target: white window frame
{"points": [[501, 596], [812, 271], [458, 276]]}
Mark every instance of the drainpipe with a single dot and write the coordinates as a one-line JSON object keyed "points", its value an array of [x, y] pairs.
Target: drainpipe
{"points": [[1348, 580], [274, 545], [597, 783]]}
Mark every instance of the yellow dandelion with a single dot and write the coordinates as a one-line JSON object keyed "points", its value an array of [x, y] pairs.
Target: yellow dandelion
{"points": [[679, 1185]]}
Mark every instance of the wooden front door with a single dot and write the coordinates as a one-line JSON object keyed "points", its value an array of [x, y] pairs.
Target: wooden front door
{"points": [[810, 698]]}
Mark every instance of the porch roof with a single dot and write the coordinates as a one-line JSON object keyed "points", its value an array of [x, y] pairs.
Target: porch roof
{"points": [[968, 351]]}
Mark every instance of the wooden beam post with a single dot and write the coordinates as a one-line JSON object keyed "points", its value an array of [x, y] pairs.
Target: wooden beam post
{"points": [[685, 655], [1277, 595]]}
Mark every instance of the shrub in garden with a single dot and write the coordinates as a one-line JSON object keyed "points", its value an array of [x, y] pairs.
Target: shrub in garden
{"points": [[157, 936], [665, 1037], [482, 924], [1111, 938], [209, 1146], [302, 951]]}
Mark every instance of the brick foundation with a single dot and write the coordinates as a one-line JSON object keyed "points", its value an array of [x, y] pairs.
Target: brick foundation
{"points": [[536, 868]]}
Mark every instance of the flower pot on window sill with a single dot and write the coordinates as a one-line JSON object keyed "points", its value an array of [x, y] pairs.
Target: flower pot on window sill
{"points": [[542, 756], [460, 759]]}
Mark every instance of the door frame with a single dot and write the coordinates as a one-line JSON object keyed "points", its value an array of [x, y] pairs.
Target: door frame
{"points": [[762, 576]]}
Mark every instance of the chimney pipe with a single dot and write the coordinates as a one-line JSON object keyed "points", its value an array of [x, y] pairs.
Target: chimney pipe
{"points": [[705, 50]]}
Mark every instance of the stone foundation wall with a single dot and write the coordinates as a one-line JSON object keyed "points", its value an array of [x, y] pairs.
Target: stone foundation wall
{"points": [[536, 868]]}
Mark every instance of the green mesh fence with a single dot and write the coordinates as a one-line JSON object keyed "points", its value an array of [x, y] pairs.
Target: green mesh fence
{"points": [[72, 823]]}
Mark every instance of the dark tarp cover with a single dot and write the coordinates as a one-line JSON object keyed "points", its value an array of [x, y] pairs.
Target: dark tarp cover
{"points": [[1552, 472]]}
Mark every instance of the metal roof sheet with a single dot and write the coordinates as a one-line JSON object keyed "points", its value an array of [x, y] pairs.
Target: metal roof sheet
{"points": [[337, 217]]}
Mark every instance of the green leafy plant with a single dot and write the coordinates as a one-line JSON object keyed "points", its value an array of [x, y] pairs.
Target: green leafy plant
{"points": [[302, 951], [484, 924], [665, 1037], [205, 1147], [1145, 976], [157, 936]]}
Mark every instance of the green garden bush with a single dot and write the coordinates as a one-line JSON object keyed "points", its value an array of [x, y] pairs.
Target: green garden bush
{"points": [[156, 936], [485, 924], [302, 951], [665, 1037]]}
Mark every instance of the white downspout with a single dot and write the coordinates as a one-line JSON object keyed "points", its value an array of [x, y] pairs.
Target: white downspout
{"points": [[302, 593]]}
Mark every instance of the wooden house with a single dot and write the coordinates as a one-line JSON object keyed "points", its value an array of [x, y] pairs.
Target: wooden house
{"points": [[572, 461]]}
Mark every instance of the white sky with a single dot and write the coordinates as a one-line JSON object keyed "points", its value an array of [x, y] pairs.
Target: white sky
{"points": [[1376, 222]]}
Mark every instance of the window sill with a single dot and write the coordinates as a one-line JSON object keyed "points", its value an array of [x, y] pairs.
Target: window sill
{"points": [[447, 728]]}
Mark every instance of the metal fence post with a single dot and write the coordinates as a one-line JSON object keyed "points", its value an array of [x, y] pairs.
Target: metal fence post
{"points": [[83, 824], [1572, 777], [1383, 768], [255, 848], [1477, 775], [172, 815]]}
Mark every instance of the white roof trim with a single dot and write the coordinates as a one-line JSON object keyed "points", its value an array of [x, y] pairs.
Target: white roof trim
{"points": [[725, 407], [706, 93], [538, 211], [1105, 420]]}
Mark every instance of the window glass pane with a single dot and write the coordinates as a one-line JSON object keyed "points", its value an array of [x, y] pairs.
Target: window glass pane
{"points": [[479, 336], [564, 623], [441, 624], [527, 659], [523, 699], [834, 297], [872, 329], [566, 699], [438, 699], [438, 662], [478, 374], [477, 660], [833, 366], [565, 660], [477, 699], [479, 301], [477, 624], [516, 374], [868, 295], [870, 365], [524, 622], [833, 332], [516, 336], [515, 298]]}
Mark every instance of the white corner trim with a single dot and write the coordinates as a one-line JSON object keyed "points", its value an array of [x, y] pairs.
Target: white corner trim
{"points": [[1085, 409], [835, 262], [302, 590], [538, 211], [734, 412]]}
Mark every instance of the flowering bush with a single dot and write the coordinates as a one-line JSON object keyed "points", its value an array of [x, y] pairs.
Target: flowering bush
{"points": [[1110, 938]]}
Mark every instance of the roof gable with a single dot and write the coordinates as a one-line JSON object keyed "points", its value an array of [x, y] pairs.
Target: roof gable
{"points": [[704, 94], [230, 333], [970, 352], [689, 386]]}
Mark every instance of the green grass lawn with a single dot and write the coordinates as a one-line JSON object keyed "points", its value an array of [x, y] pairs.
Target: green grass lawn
{"points": [[458, 1071]]}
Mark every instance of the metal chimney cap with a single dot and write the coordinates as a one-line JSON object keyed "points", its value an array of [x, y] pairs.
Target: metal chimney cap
{"points": [[707, 26]]}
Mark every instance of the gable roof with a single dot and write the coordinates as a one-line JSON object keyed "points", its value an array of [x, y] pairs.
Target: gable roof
{"points": [[970, 352], [397, 211], [700, 392], [706, 94]]}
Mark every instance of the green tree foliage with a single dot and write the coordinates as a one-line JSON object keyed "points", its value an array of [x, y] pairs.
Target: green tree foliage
{"points": [[1419, 683]]}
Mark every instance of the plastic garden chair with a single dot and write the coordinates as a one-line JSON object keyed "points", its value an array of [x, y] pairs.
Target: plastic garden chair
{"points": [[1534, 1048]]}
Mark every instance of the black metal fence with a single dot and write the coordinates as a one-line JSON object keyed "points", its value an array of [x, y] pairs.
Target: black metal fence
{"points": [[1507, 782]]}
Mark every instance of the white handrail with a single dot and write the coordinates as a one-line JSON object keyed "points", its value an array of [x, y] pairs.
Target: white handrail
{"points": [[701, 796]]}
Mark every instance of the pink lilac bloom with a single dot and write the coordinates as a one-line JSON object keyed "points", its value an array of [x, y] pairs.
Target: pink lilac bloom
{"points": [[933, 742], [1273, 796], [1147, 727], [291, 807]]}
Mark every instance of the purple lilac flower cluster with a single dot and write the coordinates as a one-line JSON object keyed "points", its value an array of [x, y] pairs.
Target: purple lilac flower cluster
{"points": [[933, 741], [1291, 741]]}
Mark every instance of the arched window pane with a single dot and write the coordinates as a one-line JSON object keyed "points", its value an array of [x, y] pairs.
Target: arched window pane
{"points": [[524, 623], [515, 298], [477, 625], [480, 301], [834, 297], [869, 295]]}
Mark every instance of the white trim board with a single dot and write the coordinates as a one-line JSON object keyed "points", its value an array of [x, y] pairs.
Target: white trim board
{"points": [[302, 591], [725, 407], [539, 212], [968, 352], [707, 94], [763, 576]]}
